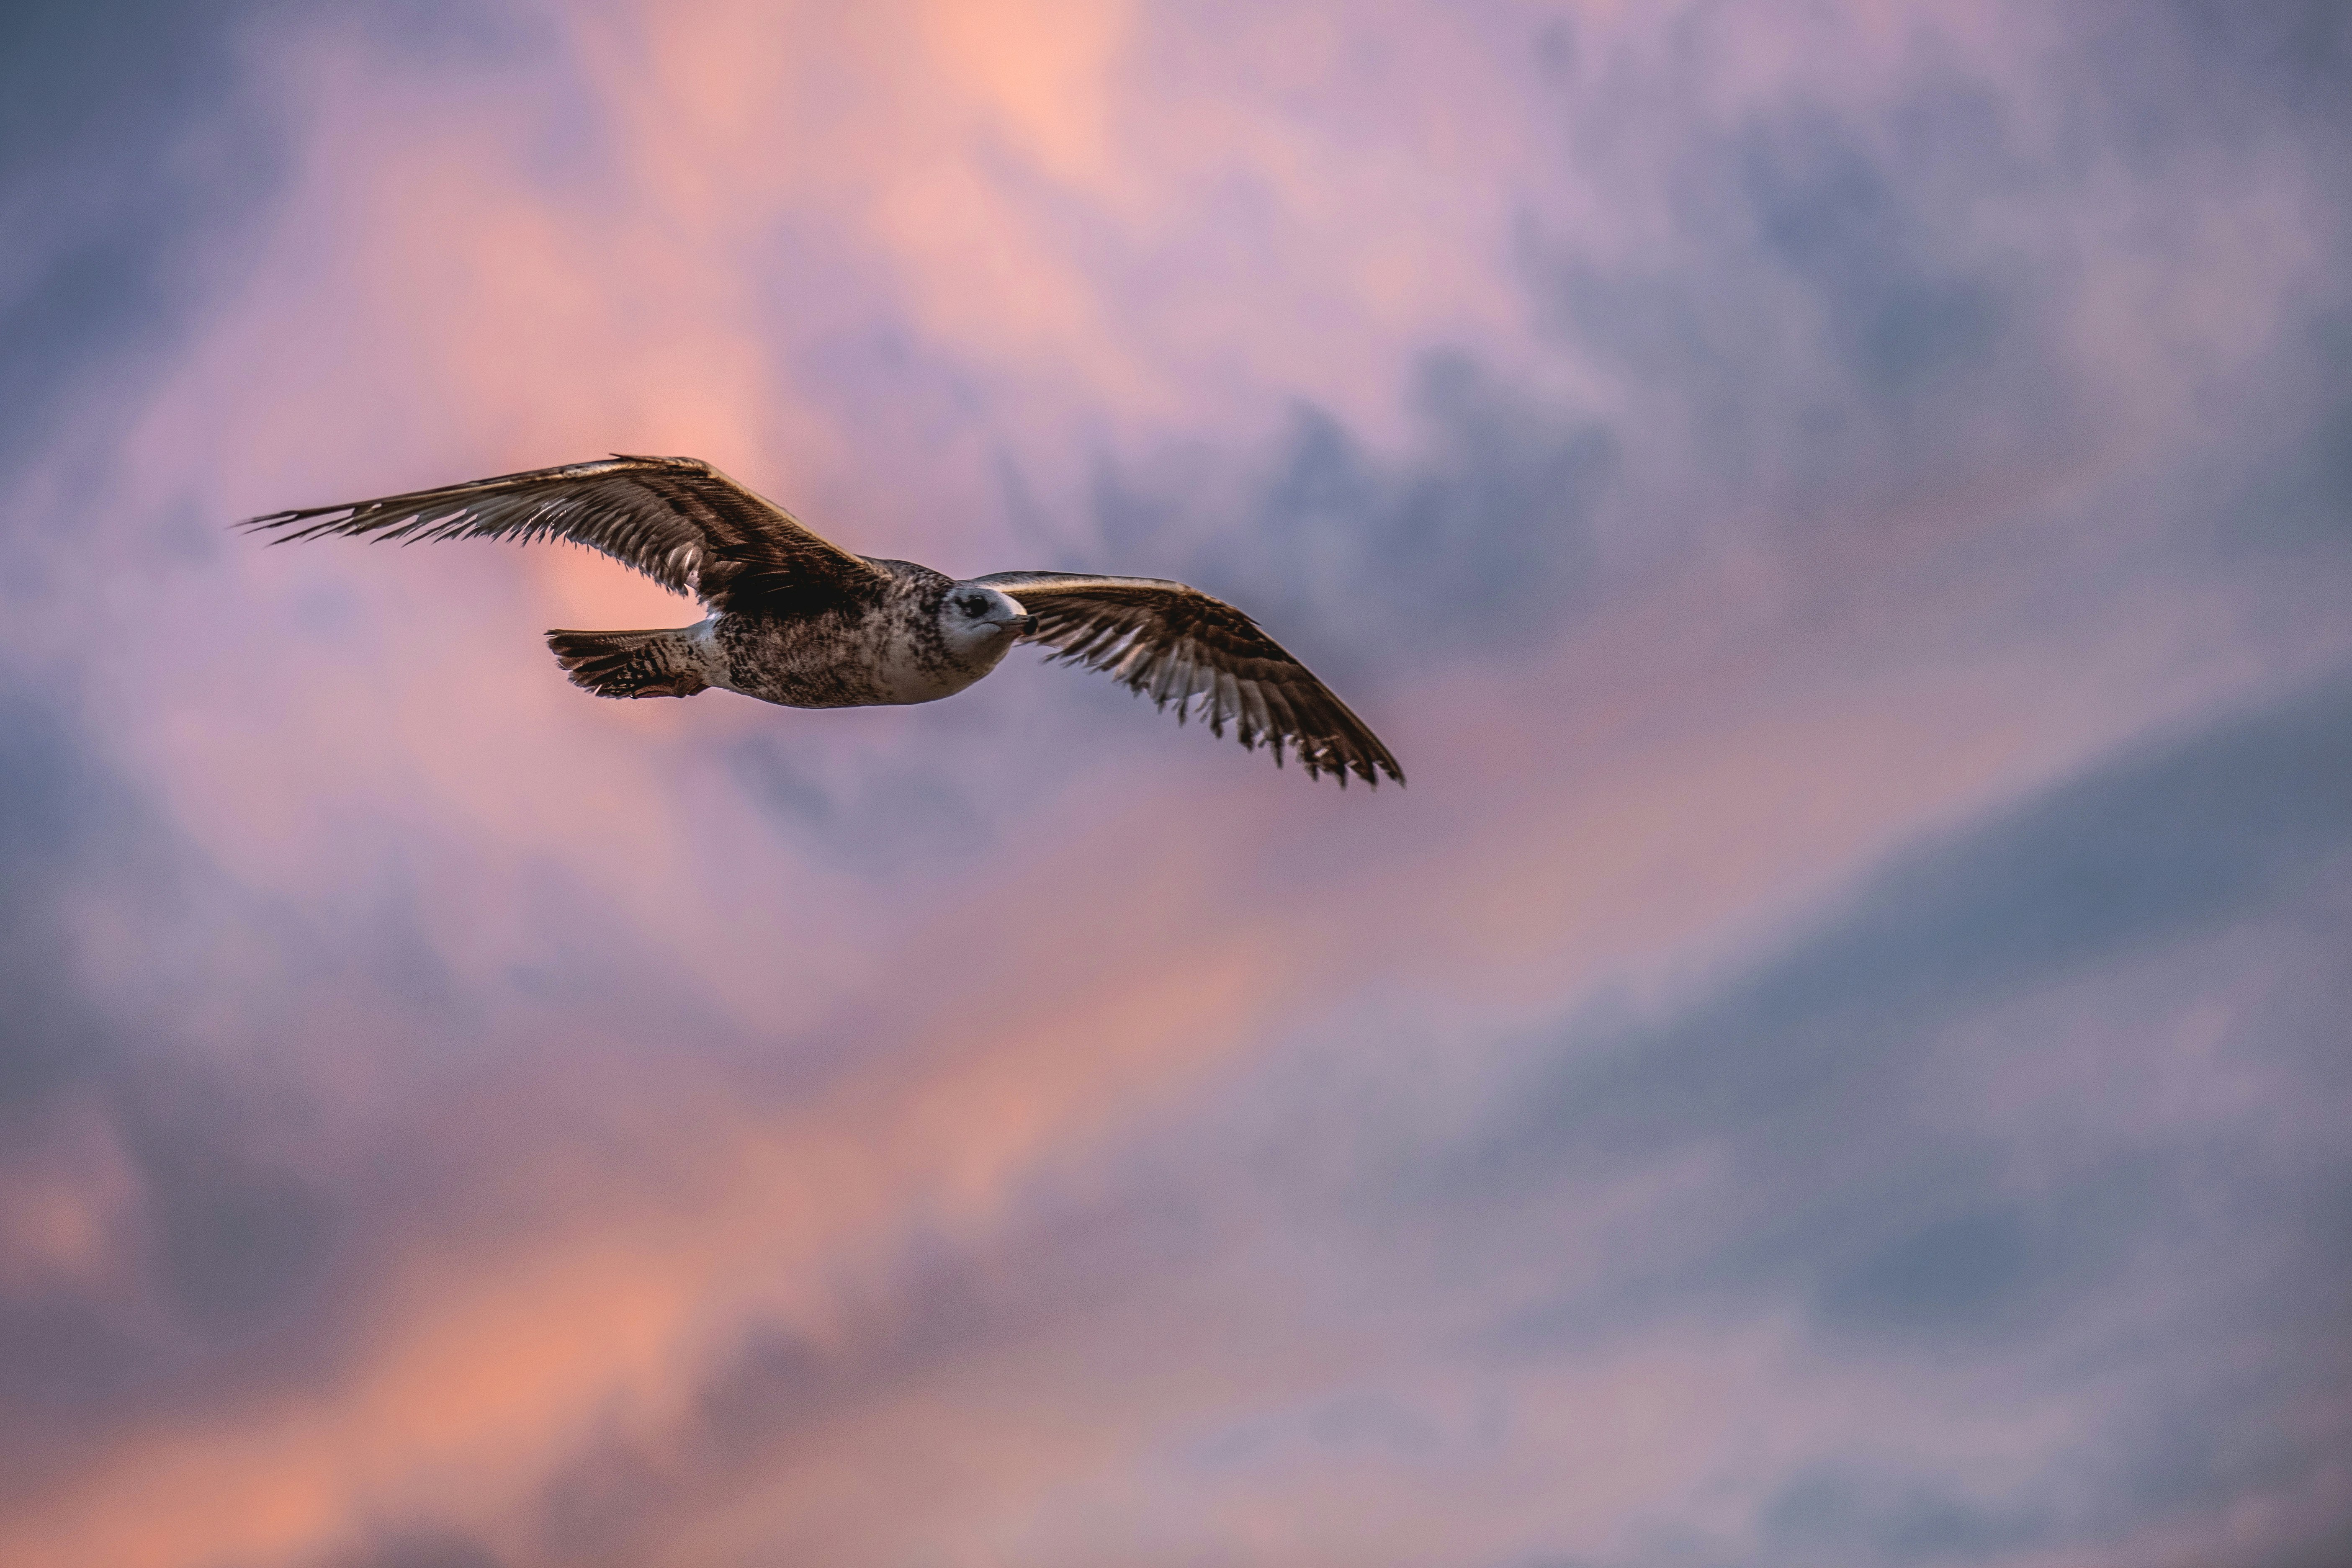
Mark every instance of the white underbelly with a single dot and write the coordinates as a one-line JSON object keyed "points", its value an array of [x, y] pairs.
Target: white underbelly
{"points": [[901, 684], [902, 676]]}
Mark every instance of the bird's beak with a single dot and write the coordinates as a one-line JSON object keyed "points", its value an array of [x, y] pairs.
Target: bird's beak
{"points": [[1020, 626]]}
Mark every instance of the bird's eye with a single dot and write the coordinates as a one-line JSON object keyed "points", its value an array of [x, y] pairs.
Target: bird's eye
{"points": [[975, 606]]}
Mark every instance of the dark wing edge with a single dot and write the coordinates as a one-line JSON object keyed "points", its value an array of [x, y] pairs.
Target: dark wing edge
{"points": [[679, 521], [1174, 644]]}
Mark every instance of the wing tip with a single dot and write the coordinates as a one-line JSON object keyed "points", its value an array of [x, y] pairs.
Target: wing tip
{"points": [[321, 519], [1368, 772]]}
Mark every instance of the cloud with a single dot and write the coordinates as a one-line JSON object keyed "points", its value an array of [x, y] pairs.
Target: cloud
{"points": [[419, 1549], [1878, 1116], [1831, 1060], [56, 809], [2145, 852], [124, 140]]}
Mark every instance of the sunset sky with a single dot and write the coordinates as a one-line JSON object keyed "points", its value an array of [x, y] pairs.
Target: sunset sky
{"points": [[1842, 1055]]}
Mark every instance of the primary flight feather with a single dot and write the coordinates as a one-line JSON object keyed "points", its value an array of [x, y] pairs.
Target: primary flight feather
{"points": [[797, 620]]}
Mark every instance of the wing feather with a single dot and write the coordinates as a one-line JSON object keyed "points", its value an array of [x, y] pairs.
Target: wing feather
{"points": [[1256, 717], [677, 520], [1173, 643]]}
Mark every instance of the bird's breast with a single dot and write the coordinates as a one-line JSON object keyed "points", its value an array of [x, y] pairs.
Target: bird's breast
{"points": [[913, 664], [876, 659]]}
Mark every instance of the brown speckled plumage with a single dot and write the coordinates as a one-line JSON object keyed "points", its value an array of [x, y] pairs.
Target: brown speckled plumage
{"points": [[798, 621]]}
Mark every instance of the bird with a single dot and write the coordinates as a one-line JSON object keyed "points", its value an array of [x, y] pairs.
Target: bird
{"points": [[796, 620]]}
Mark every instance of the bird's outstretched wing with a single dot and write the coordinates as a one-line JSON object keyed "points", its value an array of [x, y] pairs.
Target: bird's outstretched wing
{"points": [[1172, 643], [677, 520]]}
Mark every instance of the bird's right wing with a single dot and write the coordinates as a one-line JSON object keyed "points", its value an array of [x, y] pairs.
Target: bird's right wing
{"points": [[677, 520], [1175, 643]]}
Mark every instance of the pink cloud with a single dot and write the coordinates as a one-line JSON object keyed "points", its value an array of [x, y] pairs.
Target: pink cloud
{"points": [[1056, 210]]}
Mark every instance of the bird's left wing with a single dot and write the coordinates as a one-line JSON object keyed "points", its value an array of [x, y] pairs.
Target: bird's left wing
{"points": [[1173, 643], [677, 520]]}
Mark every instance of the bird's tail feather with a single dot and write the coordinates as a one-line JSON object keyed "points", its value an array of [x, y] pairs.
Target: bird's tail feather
{"points": [[631, 664]]}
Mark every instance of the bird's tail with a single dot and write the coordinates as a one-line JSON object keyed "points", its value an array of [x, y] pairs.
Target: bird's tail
{"points": [[632, 664]]}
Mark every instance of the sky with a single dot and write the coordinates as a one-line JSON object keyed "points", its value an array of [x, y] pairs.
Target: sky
{"points": [[1843, 507]]}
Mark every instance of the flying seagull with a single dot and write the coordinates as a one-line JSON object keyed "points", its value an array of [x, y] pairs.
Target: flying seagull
{"points": [[797, 620]]}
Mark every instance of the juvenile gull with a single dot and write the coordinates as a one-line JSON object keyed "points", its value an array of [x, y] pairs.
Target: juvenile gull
{"points": [[799, 621]]}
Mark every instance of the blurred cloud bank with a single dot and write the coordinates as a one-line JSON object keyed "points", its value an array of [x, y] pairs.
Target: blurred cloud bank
{"points": [[1839, 1057]]}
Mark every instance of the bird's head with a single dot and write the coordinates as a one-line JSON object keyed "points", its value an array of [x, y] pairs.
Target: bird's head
{"points": [[980, 624]]}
